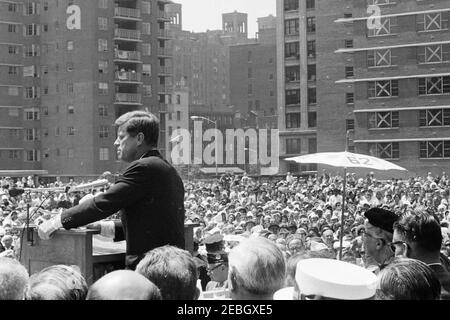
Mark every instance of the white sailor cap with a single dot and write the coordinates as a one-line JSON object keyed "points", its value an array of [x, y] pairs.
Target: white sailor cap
{"points": [[284, 294], [335, 279]]}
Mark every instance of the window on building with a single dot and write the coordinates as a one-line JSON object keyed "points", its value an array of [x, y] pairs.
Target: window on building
{"points": [[383, 120], [70, 45], [388, 150], [434, 149], [291, 50], [311, 72], [146, 7], [249, 56], [13, 70], [388, 26], [70, 153], [44, 111], [102, 45], [311, 48], [103, 132], [32, 156], [69, 66], [102, 110], [146, 28], [12, 49], [70, 131], [432, 21], [379, 58], [31, 92], [147, 90], [291, 27], [102, 23], [70, 109], [103, 88], [433, 54], [349, 124], [31, 50], [103, 66], [293, 146], [104, 154], [14, 154], [70, 90], [434, 117], [385, 88], [45, 28], [310, 4], [290, 5], [250, 73], [312, 145], [250, 89], [434, 85], [146, 70], [12, 28], [349, 72], [31, 30], [12, 7], [30, 8], [311, 24], [178, 99], [31, 134], [293, 120], [45, 132], [293, 96], [178, 115], [348, 44], [103, 4], [31, 114], [312, 97], [312, 119], [292, 73], [146, 49]]}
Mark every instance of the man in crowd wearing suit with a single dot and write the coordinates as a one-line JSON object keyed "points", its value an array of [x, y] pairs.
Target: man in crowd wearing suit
{"points": [[149, 195]]}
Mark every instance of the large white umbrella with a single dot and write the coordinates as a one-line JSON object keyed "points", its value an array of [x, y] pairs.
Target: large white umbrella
{"points": [[346, 160]]}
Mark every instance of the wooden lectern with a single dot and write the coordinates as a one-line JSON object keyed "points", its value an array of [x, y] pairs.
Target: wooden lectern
{"points": [[78, 247]]}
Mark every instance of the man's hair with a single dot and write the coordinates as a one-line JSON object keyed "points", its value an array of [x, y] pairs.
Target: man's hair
{"points": [[257, 266], [58, 282], [422, 228], [172, 270], [13, 280], [141, 121], [408, 279]]}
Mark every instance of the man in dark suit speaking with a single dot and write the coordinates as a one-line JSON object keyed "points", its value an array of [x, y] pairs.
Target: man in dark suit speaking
{"points": [[149, 195]]}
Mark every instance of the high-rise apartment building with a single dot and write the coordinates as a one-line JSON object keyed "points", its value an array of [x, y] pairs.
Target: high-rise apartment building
{"points": [[71, 68], [253, 84], [296, 78], [399, 68]]}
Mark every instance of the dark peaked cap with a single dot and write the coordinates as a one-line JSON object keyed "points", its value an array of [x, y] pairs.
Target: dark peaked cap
{"points": [[382, 218]]}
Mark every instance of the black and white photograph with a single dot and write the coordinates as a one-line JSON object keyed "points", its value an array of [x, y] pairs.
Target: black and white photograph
{"points": [[222, 153]]}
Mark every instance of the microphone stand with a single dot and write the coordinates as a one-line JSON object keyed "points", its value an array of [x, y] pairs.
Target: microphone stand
{"points": [[30, 233]]}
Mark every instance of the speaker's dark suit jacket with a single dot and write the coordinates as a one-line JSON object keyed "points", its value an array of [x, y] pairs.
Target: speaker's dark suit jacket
{"points": [[150, 198]]}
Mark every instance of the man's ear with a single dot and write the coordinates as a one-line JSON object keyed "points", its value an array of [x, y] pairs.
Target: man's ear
{"points": [[140, 138]]}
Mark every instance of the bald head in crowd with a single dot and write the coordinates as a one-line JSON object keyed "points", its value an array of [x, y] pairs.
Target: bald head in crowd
{"points": [[256, 270], [14, 280], [123, 285]]}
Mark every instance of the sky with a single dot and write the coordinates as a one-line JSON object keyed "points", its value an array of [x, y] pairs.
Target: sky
{"points": [[202, 15]]}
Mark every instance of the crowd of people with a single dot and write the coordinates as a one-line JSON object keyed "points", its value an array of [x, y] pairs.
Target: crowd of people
{"points": [[258, 238]]}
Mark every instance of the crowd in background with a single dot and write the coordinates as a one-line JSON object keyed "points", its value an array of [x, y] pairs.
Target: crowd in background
{"points": [[243, 223]]}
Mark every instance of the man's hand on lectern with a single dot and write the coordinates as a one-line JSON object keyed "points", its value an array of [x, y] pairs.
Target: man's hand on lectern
{"points": [[46, 229]]}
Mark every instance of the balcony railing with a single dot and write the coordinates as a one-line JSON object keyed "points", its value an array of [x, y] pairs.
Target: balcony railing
{"points": [[127, 13], [163, 16], [127, 76], [127, 34], [165, 88], [127, 55], [134, 98], [164, 33], [165, 69], [165, 52]]}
